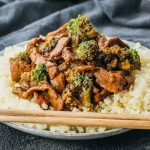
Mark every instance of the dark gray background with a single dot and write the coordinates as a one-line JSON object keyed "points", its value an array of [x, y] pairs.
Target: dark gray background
{"points": [[21, 20]]}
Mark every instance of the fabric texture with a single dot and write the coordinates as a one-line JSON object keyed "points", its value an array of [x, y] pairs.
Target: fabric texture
{"points": [[21, 20]]}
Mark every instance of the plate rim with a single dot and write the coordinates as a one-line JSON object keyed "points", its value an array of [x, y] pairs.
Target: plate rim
{"points": [[66, 136]]}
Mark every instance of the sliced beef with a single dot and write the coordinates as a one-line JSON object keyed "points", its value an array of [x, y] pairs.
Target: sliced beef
{"points": [[17, 67], [42, 99], [52, 69], [55, 99], [60, 30], [115, 41], [62, 43], [102, 41], [67, 55], [36, 57], [59, 82], [112, 82], [25, 92], [85, 68], [100, 96], [64, 34], [130, 81], [40, 87], [33, 42], [46, 96], [75, 63], [19, 91], [63, 66]]}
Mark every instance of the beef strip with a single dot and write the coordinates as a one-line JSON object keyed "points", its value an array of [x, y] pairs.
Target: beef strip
{"points": [[32, 42], [64, 34], [60, 30], [130, 81], [100, 96], [40, 87], [102, 41], [17, 67], [85, 68], [115, 41], [55, 99], [62, 43], [63, 66], [42, 99], [67, 55], [112, 82], [45, 99], [19, 91], [24, 92], [59, 82], [75, 63], [36, 57], [52, 69]]}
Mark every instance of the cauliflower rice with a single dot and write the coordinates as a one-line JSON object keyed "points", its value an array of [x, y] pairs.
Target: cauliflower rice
{"points": [[134, 101]]}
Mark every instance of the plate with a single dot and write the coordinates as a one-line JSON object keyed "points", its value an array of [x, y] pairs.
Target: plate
{"points": [[67, 136]]}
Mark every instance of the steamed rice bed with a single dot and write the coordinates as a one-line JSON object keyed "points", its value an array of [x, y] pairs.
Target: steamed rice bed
{"points": [[134, 101]]}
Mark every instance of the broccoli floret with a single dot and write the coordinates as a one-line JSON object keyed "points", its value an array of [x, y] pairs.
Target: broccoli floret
{"points": [[86, 91], [134, 54], [82, 81], [76, 80], [86, 97], [34, 76], [80, 29], [134, 59], [87, 50], [83, 84], [39, 73], [87, 82], [131, 60]]}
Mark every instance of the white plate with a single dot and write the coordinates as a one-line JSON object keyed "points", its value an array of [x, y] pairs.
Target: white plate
{"points": [[67, 136]]}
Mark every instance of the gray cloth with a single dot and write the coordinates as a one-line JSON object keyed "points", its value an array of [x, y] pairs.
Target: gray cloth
{"points": [[21, 20]]}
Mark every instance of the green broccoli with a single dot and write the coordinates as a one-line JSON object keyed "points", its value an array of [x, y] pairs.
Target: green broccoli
{"points": [[80, 29], [76, 80], [134, 54], [82, 81], [87, 82], [83, 84], [87, 50], [34, 76], [86, 97], [134, 59], [39, 73], [86, 91]]}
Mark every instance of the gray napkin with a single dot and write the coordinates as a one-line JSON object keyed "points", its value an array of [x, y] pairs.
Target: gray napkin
{"points": [[22, 20]]}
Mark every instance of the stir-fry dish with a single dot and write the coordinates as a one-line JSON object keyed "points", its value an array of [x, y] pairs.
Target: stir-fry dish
{"points": [[74, 66]]}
